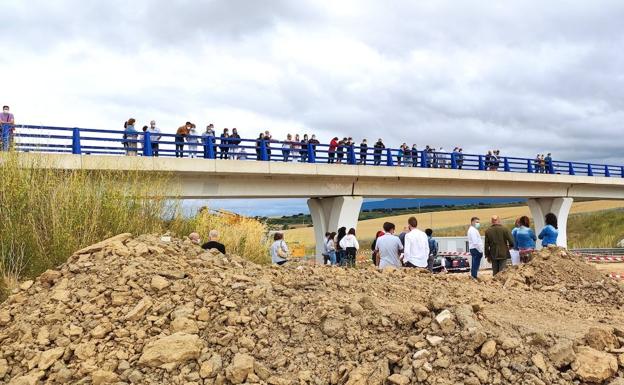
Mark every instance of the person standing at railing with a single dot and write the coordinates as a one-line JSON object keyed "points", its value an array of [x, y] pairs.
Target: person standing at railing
{"points": [[181, 133], [333, 145], [542, 164], [154, 136], [378, 148], [488, 161], [414, 152], [131, 138], [7, 127], [304, 148], [269, 139], [259, 142], [340, 150], [314, 142], [225, 144], [460, 158], [192, 139], [287, 147], [141, 138], [363, 151], [442, 161], [548, 167], [235, 141], [295, 148], [401, 154]]}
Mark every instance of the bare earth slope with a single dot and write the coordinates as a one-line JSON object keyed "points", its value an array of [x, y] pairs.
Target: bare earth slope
{"points": [[141, 311]]}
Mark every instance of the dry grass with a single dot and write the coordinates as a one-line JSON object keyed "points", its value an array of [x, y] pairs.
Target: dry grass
{"points": [[457, 219], [243, 236]]}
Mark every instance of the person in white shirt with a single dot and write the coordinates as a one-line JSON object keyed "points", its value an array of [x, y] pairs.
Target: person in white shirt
{"points": [[416, 253], [475, 245], [388, 248], [154, 136], [350, 244]]}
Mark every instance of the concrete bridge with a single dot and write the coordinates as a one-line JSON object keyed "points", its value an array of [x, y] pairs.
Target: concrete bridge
{"points": [[335, 192]]}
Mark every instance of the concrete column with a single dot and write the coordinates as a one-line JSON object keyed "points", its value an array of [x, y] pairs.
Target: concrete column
{"points": [[328, 214], [560, 207]]}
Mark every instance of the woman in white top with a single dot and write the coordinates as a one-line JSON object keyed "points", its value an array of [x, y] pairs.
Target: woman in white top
{"points": [[192, 140], [350, 244], [287, 147], [279, 250]]}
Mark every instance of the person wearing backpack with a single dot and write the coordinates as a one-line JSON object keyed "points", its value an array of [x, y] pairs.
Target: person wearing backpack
{"points": [[279, 250], [433, 249]]}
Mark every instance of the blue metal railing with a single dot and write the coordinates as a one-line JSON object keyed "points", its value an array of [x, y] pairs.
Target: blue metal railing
{"points": [[87, 141]]}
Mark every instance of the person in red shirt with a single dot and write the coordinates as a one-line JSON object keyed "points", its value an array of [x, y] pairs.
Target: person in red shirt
{"points": [[332, 150]]}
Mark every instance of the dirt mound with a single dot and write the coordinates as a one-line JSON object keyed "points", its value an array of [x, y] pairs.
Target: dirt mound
{"points": [[556, 269], [138, 310]]}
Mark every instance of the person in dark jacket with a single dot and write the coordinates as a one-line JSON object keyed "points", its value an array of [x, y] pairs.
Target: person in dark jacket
{"points": [[341, 253], [314, 142], [225, 144], [498, 242], [379, 146], [340, 150], [363, 151], [304, 148], [374, 246]]}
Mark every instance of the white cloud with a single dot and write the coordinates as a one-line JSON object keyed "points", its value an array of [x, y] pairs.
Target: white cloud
{"points": [[522, 76]]}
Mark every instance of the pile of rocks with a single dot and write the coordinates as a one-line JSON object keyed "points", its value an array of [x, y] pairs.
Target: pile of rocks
{"points": [[556, 269], [139, 310]]}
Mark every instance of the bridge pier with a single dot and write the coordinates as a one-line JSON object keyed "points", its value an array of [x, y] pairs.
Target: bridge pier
{"points": [[560, 207], [328, 214]]}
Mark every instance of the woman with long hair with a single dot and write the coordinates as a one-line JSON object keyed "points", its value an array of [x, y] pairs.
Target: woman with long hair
{"points": [[340, 252], [524, 239], [549, 233], [350, 244]]}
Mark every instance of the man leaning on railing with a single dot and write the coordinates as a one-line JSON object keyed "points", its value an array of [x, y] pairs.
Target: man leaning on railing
{"points": [[7, 123]]}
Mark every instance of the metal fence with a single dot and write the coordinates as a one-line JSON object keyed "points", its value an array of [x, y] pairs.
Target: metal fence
{"points": [[87, 141]]}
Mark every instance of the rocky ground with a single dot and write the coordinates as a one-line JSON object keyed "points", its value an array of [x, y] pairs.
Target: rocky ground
{"points": [[137, 310]]}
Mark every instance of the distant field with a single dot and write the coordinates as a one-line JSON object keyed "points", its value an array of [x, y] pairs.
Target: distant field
{"points": [[447, 219]]}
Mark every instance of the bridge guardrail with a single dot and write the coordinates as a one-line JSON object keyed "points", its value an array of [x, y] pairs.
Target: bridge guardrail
{"points": [[86, 141]]}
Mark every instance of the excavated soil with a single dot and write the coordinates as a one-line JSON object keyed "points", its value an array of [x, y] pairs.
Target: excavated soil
{"points": [[138, 310]]}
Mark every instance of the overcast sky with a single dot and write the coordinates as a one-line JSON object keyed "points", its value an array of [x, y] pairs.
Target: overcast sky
{"points": [[522, 76]]}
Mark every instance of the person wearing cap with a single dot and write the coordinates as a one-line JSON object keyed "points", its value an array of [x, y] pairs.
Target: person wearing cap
{"points": [[498, 242]]}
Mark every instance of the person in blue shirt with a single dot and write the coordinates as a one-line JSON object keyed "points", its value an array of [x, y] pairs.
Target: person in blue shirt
{"points": [[549, 233], [524, 238]]}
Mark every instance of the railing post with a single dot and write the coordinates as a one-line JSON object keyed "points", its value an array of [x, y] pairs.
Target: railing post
{"points": [[264, 155], [481, 163], [423, 159], [607, 171], [147, 143], [622, 171], [571, 169], [529, 166], [590, 172], [453, 161], [5, 137], [351, 152], [389, 161], [209, 151], [506, 165], [76, 141], [311, 154]]}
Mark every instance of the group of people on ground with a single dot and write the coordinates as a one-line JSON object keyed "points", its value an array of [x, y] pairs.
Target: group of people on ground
{"points": [[341, 247], [502, 244], [413, 248]]}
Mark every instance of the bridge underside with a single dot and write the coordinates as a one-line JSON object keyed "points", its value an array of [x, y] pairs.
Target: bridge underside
{"points": [[336, 191]]}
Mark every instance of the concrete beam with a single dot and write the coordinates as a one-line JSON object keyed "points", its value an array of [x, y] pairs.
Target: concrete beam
{"points": [[329, 214], [558, 206]]}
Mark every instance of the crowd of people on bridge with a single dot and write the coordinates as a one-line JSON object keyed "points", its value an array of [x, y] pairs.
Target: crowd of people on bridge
{"points": [[303, 148]]}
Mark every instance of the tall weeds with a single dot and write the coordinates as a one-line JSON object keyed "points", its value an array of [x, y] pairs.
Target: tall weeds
{"points": [[47, 214]]}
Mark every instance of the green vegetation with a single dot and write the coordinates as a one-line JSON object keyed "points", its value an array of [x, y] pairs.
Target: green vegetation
{"points": [[602, 229], [46, 215]]}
